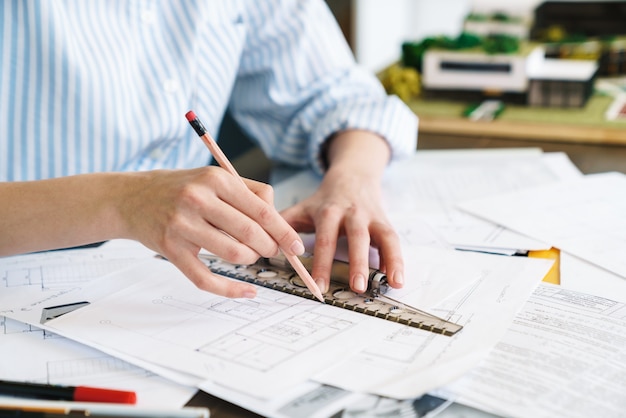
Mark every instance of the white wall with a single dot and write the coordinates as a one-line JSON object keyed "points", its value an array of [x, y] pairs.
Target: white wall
{"points": [[515, 7], [381, 26]]}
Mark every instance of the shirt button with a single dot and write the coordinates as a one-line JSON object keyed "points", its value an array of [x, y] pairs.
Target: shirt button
{"points": [[171, 85], [148, 17]]}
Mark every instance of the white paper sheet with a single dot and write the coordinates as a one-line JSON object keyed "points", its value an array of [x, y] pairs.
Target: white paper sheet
{"points": [[268, 345], [405, 363], [584, 217], [309, 399], [565, 355], [33, 355], [315, 400], [581, 276], [32, 280], [261, 346], [26, 278]]}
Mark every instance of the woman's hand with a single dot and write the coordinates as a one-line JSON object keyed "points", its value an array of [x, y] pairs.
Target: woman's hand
{"points": [[348, 202], [176, 213]]}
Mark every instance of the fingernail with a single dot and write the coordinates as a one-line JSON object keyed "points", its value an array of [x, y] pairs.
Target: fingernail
{"points": [[249, 294], [297, 247], [359, 283], [398, 278], [322, 285]]}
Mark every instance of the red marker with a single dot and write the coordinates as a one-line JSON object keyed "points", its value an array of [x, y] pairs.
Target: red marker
{"points": [[66, 393]]}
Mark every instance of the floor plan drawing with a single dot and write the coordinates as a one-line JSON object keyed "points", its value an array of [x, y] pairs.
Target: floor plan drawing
{"points": [[285, 339], [46, 357]]}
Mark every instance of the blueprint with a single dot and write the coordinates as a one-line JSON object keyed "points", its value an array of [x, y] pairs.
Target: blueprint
{"points": [[46, 357], [270, 344]]}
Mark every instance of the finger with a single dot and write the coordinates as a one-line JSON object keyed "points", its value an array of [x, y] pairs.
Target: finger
{"points": [[238, 226], [358, 236], [299, 220], [381, 260], [262, 190], [194, 229], [390, 251], [326, 234], [227, 248], [268, 218], [200, 275], [230, 190]]}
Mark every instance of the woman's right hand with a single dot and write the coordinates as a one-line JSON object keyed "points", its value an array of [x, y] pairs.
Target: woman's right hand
{"points": [[176, 213]]}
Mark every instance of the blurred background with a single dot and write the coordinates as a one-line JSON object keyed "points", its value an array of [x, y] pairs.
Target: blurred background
{"points": [[578, 79], [375, 29]]}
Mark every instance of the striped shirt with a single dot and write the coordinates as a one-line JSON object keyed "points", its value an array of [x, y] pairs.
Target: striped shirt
{"points": [[89, 86]]}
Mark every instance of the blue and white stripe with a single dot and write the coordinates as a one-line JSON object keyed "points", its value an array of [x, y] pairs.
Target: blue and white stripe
{"points": [[89, 86]]}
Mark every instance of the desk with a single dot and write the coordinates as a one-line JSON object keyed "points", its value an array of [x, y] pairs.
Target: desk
{"points": [[590, 158], [585, 125]]}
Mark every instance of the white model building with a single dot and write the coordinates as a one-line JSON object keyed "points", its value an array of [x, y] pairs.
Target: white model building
{"points": [[476, 70], [543, 81], [561, 83]]}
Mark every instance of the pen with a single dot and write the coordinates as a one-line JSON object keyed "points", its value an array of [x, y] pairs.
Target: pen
{"points": [[66, 393], [225, 164], [49, 409]]}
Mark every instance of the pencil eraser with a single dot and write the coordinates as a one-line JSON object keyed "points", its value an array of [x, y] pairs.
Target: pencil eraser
{"points": [[89, 394], [190, 116]]}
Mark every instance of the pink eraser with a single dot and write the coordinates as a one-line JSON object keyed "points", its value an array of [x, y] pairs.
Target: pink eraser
{"points": [[190, 115]]}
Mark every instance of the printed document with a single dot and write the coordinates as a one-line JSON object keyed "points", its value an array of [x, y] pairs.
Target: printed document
{"points": [[564, 355]]}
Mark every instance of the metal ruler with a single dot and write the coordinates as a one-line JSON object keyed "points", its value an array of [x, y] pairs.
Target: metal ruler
{"points": [[277, 274]]}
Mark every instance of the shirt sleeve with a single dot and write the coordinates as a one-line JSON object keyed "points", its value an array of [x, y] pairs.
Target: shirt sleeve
{"points": [[298, 84]]}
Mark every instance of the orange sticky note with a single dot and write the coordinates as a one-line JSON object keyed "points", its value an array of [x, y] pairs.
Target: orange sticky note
{"points": [[554, 274]]}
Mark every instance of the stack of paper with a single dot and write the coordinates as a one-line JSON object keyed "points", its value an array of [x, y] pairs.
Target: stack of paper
{"points": [[279, 355], [35, 280], [565, 354]]}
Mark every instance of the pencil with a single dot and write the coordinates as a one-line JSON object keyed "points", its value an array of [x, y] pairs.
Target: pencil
{"points": [[221, 159], [38, 408]]}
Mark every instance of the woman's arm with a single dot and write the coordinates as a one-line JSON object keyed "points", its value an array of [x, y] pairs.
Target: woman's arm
{"points": [[175, 213]]}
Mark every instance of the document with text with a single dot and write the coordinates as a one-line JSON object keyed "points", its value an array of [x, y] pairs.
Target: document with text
{"points": [[564, 355]]}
